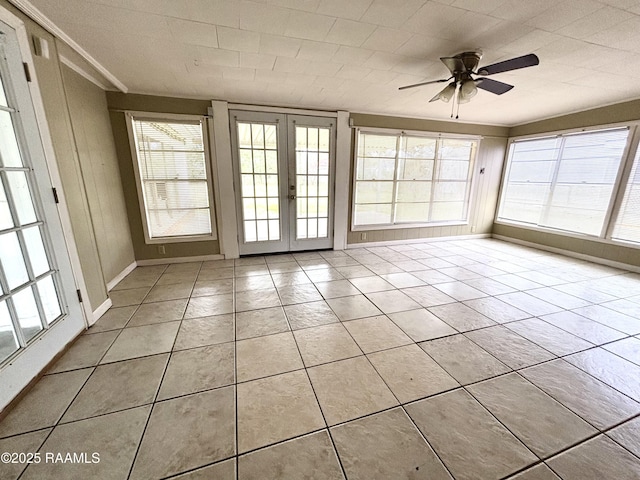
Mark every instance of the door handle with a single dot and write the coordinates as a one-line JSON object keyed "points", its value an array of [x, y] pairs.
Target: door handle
{"points": [[292, 197]]}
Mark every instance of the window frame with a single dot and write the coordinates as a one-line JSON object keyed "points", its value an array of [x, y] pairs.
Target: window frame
{"points": [[204, 121], [619, 186], [438, 136]]}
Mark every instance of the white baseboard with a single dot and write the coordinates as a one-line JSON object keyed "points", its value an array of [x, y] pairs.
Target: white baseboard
{"points": [[569, 253], [417, 240], [118, 278], [163, 261], [101, 310]]}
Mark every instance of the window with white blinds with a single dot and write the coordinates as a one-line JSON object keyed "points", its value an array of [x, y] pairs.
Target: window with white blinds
{"points": [[173, 178], [408, 179], [563, 182], [627, 225]]}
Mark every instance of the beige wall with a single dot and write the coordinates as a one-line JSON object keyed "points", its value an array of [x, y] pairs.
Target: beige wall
{"points": [[622, 112], [485, 187], [118, 103], [99, 169]]}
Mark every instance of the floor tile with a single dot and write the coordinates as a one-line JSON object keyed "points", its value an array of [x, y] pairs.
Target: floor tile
{"points": [[464, 360], [539, 472], [45, 403], [265, 321], [629, 349], [460, 291], [161, 293], [392, 301], [114, 437], [528, 303], [596, 402], [215, 274], [625, 306], [294, 278], [582, 327], [285, 267], [467, 438], [177, 277], [428, 296], [254, 282], [548, 336], [628, 435], [198, 369], [323, 275], [206, 288], [402, 280], [310, 314], [337, 288], [86, 351], [371, 284], [325, 343], [251, 270], [202, 431], [461, 317], [421, 325], [610, 318], [142, 341], [517, 282], [199, 332], [207, 306], [383, 267], [489, 286], [159, 312], [459, 273], [509, 347], [556, 297], [432, 277], [354, 271], [257, 299], [350, 308], [27, 442], [611, 369], [596, 459], [125, 298], [290, 395], [118, 386], [386, 445], [298, 294], [349, 389], [547, 427], [311, 456], [410, 373], [584, 292], [376, 333], [264, 356], [497, 310], [114, 319], [225, 470]]}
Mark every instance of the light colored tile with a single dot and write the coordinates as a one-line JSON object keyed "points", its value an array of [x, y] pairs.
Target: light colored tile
{"points": [[86, 351], [582, 327], [255, 323], [225, 470], [289, 394], [547, 428], [45, 403], [293, 294], [467, 438], [114, 319], [463, 359], [199, 332], [310, 456], [142, 341], [489, 286], [202, 431], [629, 349], [160, 293], [461, 317], [264, 356], [548, 336], [205, 288], [198, 369], [349, 389], [376, 333], [158, 312], [325, 343], [529, 304], [125, 298], [428, 296], [610, 318], [371, 284], [256, 299], [421, 325], [539, 472], [337, 288], [350, 308], [628, 435], [410, 373], [113, 437], [254, 282], [392, 301], [310, 314], [386, 445], [497, 310], [460, 291], [118, 386], [556, 297], [207, 306], [293, 278], [27, 442]]}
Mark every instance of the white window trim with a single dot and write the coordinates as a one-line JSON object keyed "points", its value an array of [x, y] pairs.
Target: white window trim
{"points": [[413, 133], [168, 117], [615, 202]]}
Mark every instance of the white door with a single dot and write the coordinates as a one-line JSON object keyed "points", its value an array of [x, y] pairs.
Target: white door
{"points": [[284, 166], [37, 288]]}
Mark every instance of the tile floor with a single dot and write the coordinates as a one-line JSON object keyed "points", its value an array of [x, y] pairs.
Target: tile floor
{"points": [[473, 359]]}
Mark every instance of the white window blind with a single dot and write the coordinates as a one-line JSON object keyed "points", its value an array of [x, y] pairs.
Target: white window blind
{"points": [[405, 179], [173, 177], [563, 182], [627, 225]]}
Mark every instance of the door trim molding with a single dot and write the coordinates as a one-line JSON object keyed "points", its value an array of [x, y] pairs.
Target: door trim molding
{"points": [[342, 181]]}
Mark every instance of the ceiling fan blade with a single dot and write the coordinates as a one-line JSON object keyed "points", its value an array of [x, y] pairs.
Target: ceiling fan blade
{"points": [[424, 83], [454, 64], [493, 86], [512, 64]]}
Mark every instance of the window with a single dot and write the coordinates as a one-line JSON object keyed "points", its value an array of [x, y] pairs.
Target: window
{"points": [[172, 173], [627, 226], [409, 179], [564, 182]]}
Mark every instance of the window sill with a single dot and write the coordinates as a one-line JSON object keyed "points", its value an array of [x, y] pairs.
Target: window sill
{"points": [[183, 239], [399, 226]]}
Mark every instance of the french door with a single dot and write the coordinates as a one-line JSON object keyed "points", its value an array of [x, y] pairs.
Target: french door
{"points": [[284, 167]]}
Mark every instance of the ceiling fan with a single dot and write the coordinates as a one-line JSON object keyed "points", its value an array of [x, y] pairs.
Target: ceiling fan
{"points": [[463, 66]]}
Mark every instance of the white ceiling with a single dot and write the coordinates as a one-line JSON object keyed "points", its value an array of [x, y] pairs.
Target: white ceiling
{"points": [[354, 54]]}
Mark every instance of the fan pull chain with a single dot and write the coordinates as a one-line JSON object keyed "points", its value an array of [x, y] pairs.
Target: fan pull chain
{"points": [[458, 110]]}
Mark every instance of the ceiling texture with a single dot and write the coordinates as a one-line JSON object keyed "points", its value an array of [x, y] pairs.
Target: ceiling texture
{"points": [[354, 54]]}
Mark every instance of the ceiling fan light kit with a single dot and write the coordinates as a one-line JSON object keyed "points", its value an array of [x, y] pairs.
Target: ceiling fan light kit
{"points": [[462, 68]]}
